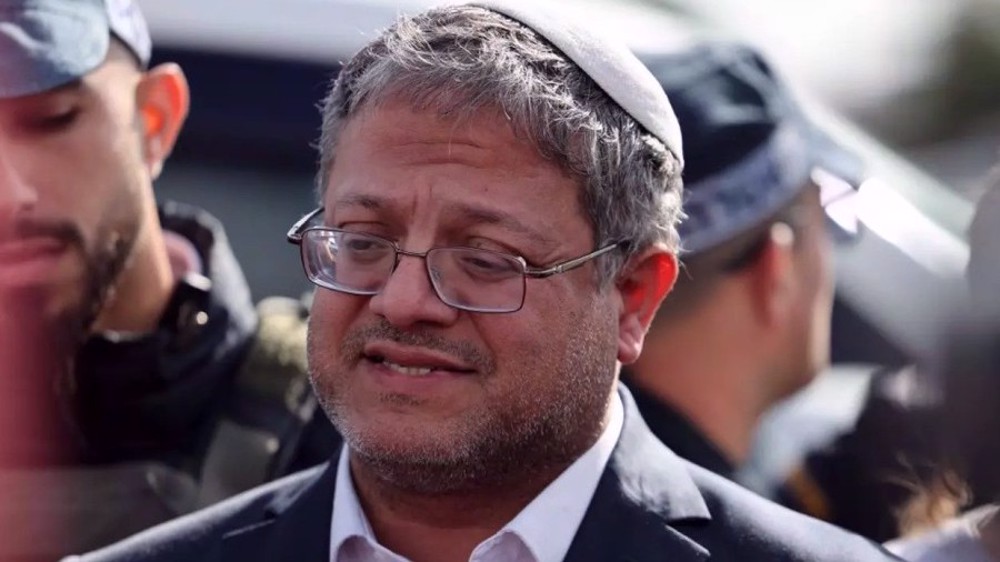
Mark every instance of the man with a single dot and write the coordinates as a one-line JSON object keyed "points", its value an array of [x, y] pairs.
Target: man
{"points": [[500, 193], [162, 390], [749, 320]]}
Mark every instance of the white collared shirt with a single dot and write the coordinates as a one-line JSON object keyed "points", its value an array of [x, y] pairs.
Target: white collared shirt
{"points": [[541, 532]]}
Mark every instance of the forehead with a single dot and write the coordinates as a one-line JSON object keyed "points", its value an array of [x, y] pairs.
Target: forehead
{"points": [[404, 134], [415, 156]]}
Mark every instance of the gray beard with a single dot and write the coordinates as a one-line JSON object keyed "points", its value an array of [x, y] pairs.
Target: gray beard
{"points": [[495, 449]]}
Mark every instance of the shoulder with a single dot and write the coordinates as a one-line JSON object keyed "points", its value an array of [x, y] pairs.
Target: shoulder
{"points": [[745, 526], [198, 536]]}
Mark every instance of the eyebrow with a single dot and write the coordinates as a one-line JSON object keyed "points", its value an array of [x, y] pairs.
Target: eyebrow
{"points": [[472, 213], [504, 220], [359, 200]]}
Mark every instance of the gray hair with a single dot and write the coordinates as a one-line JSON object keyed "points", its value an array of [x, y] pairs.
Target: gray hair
{"points": [[457, 60]]}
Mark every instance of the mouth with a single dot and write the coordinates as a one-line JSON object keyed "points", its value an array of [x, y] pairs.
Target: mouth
{"points": [[30, 261], [413, 362], [19, 250], [409, 369]]}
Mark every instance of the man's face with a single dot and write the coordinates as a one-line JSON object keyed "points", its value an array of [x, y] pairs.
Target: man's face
{"points": [[507, 393], [72, 180], [809, 332]]}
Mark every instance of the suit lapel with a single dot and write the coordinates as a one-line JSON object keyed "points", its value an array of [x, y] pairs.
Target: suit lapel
{"points": [[296, 525], [643, 502]]}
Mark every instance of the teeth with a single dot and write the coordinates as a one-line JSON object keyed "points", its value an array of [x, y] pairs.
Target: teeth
{"points": [[411, 371]]}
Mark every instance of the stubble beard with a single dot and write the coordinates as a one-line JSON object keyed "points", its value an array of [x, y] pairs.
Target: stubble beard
{"points": [[39, 363], [64, 314], [106, 266], [529, 435]]}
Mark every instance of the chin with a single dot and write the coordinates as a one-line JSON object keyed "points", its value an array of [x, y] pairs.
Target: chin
{"points": [[407, 435]]}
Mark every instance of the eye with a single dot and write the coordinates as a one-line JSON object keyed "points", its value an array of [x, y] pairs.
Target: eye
{"points": [[360, 248], [487, 266], [360, 244], [50, 122]]}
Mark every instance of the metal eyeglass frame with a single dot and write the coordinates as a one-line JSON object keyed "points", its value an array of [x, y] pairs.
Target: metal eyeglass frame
{"points": [[298, 230]]}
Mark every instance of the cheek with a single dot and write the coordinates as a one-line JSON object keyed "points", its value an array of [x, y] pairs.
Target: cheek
{"points": [[99, 170], [555, 338], [329, 318]]}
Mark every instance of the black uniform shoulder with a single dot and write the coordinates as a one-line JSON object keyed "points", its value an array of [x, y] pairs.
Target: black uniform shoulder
{"points": [[746, 526], [198, 536]]}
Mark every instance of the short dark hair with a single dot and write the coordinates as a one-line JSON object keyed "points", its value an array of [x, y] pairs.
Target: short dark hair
{"points": [[701, 272]]}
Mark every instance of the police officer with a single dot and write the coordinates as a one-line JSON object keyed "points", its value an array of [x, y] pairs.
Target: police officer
{"points": [[171, 391], [748, 322]]}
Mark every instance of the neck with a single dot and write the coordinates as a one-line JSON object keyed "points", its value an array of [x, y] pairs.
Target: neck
{"points": [[144, 287], [696, 367], [442, 527]]}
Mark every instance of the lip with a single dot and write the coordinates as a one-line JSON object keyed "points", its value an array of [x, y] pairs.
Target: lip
{"points": [[445, 372], [30, 248], [415, 357], [29, 260]]}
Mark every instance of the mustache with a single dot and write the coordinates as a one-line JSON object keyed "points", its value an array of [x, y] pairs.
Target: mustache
{"points": [[353, 344], [64, 231]]}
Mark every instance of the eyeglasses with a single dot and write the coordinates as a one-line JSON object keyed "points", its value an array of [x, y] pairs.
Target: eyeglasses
{"points": [[471, 279]]}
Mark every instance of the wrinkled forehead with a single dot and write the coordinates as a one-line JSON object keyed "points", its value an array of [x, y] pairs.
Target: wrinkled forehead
{"points": [[400, 128], [399, 160], [397, 135]]}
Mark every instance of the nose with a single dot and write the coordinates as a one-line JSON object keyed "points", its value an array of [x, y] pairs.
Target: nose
{"points": [[408, 299], [16, 195]]}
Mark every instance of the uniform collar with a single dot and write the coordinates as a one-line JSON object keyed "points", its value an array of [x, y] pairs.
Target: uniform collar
{"points": [[679, 433], [139, 395]]}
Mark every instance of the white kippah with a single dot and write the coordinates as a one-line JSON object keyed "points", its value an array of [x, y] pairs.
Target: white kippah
{"points": [[610, 64]]}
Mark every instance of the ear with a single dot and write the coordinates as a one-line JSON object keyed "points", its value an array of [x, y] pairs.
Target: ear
{"points": [[162, 99], [643, 284], [774, 281]]}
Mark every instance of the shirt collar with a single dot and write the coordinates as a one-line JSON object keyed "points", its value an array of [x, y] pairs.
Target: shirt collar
{"points": [[546, 526], [348, 517]]}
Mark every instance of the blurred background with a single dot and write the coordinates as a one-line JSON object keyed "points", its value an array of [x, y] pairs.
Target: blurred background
{"points": [[921, 78], [924, 77]]}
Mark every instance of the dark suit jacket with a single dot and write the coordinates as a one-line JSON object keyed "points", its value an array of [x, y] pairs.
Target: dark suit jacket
{"points": [[649, 505]]}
